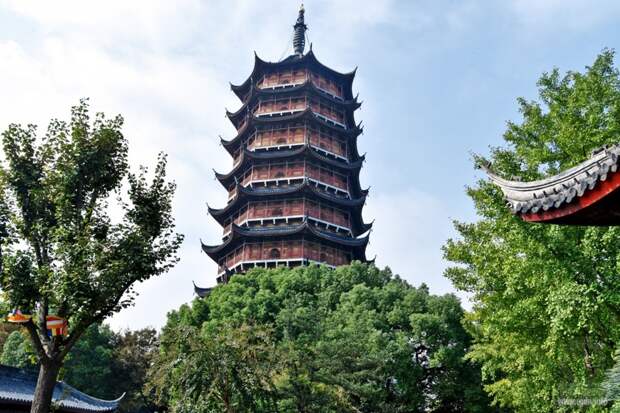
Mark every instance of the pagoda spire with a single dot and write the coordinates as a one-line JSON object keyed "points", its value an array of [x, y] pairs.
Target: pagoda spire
{"points": [[299, 38]]}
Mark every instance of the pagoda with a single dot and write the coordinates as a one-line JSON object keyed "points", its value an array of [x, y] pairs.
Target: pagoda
{"points": [[294, 195]]}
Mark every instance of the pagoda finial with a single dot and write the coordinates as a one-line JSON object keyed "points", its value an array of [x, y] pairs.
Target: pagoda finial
{"points": [[299, 38]]}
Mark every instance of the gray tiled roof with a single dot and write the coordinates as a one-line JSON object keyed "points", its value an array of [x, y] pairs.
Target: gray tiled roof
{"points": [[308, 85], [305, 227], [309, 58], [202, 292], [17, 386], [248, 157], [560, 189]]}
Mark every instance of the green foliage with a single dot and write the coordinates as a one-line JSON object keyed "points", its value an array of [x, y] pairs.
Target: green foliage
{"points": [[134, 352], [222, 369], [106, 364], [103, 363], [88, 366], [312, 339], [546, 318], [61, 252], [17, 351], [5, 331]]}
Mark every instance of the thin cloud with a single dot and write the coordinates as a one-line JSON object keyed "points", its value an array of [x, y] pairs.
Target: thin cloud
{"points": [[166, 66]]}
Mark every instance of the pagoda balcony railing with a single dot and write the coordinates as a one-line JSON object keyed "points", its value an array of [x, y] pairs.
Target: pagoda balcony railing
{"points": [[318, 148], [330, 153], [328, 92], [294, 78], [283, 79], [286, 219], [325, 117], [285, 106], [326, 86], [283, 85], [280, 107], [293, 137], [283, 252], [282, 211], [298, 83], [289, 135], [293, 172], [283, 112], [330, 120], [292, 180], [242, 266]]}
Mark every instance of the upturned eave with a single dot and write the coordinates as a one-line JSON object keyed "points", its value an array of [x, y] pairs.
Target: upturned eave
{"points": [[581, 195]]}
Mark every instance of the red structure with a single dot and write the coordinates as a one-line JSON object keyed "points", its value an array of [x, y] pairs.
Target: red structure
{"points": [[587, 194], [294, 195]]}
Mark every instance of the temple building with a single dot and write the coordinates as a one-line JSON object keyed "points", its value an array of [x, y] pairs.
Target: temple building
{"points": [[294, 194], [587, 194], [17, 388]]}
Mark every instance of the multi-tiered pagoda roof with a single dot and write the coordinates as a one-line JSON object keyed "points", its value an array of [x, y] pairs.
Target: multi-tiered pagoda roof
{"points": [[294, 193]]}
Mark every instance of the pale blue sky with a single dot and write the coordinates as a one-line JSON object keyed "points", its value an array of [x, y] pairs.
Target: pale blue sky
{"points": [[438, 79]]}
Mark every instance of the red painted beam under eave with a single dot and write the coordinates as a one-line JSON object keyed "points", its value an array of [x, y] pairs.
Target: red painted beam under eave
{"points": [[590, 197]]}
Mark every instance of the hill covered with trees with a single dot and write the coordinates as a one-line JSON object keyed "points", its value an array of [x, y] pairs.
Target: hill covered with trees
{"points": [[313, 339]]}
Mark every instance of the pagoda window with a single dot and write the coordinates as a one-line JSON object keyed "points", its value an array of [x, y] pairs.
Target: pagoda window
{"points": [[282, 78], [266, 248], [327, 214], [295, 248], [293, 170], [327, 110], [297, 207], [313, 209], [261, 172], [255, 251], [260, 210], [313, 251], [327, 85], [279, 136], [341, 218]]}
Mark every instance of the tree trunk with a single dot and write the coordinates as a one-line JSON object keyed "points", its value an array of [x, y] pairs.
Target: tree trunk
{"points": [[42, 401]]}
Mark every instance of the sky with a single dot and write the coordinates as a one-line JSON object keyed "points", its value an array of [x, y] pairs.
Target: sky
{"points": [[438, 80]]}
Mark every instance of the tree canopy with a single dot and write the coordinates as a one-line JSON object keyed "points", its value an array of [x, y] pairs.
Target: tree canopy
{"points": [[313, 339], [103, 364], [547, 297], [61, 252]]}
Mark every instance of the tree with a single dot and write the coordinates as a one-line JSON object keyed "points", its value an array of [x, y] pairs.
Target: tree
{"points": [[547, 297], [220, 369], [313, 339], [17, 352], [6, 330], [103, 364], [134, 352], [89, 365], [60, 250]]}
